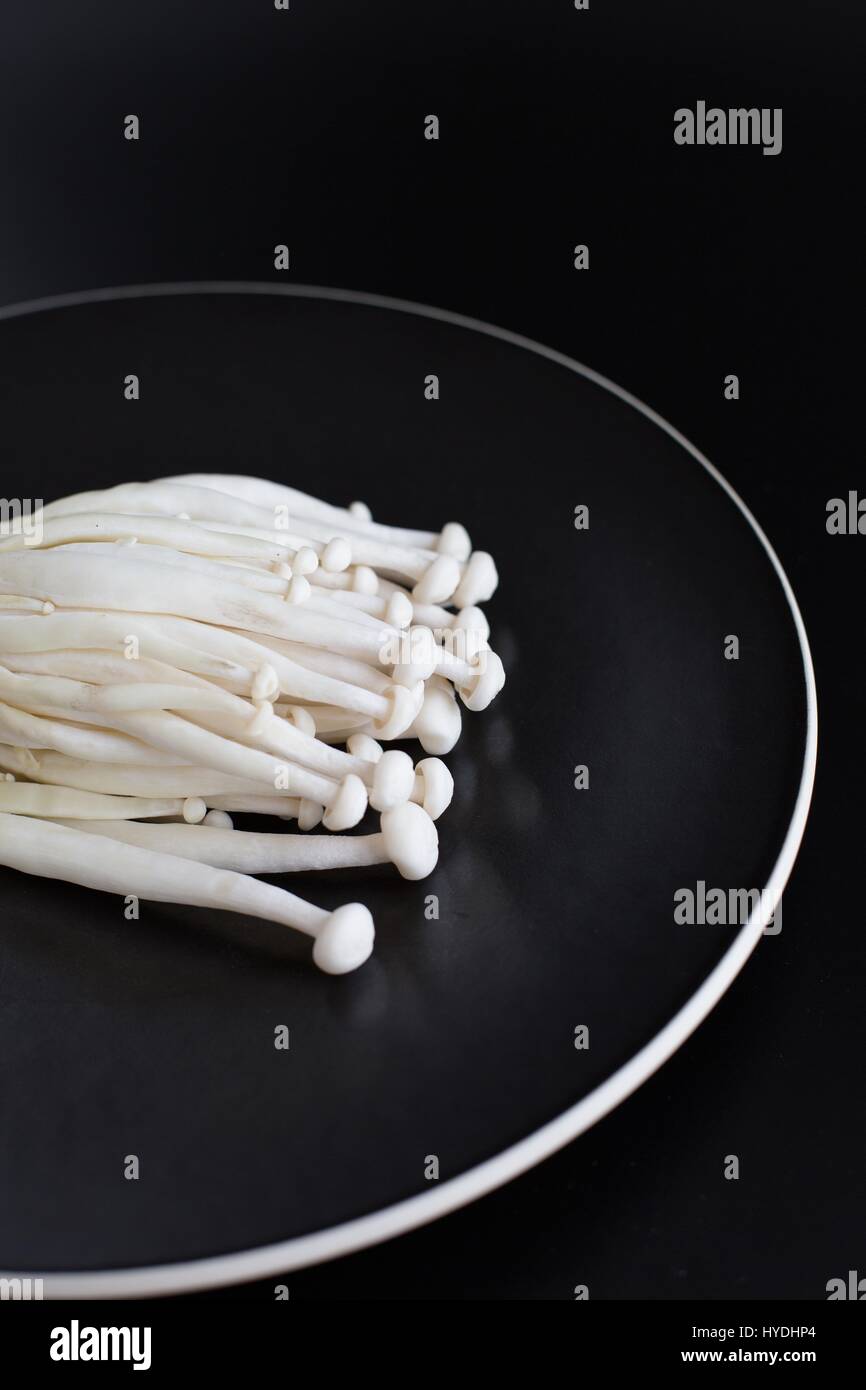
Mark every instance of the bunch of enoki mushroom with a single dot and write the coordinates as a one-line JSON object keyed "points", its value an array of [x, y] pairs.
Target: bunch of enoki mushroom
{"points": [[175, 651]]}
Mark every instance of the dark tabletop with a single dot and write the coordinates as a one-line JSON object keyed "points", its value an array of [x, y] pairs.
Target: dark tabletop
{"points": [[556, 129]]}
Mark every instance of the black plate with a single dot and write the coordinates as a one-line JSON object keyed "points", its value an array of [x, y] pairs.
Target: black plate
{"points": [[556, 905]]}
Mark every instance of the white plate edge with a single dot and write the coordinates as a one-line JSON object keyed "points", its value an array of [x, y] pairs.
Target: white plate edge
{"points": [[300, 1251]]}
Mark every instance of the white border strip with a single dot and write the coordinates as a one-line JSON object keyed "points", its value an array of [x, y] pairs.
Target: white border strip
{"points": [[266, 1260]]}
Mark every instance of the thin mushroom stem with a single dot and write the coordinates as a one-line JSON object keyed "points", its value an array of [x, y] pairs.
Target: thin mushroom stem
{"points": [[329, 717], [24, 730], [19, 603], [477, 679], [256, 803], [353, 606], [230, 658], [284, 739], [165, 498], [444, 571], [452, 540], [229, 716], [220, 513], [359, 579], [203, 649], [296, 678], [29, 799], [396, 605], [437, 725], [58, 695], [335, 665], [134, 779], [139, 587], [84, 527], [18, 762], [407, 839], [263, 580], [343, 939], [396, 610], [102, 630], [333, 556], [436, 577], [107, 668], [167, 733], [171, 734]]}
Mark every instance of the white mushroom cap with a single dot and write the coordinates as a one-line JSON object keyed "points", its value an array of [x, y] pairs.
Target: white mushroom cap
{"points": [[306, 561], [438, 786], [411, 840], [405, 704], [266, 683], [348, 806], [298, 590], [345, 940], [472, 619], [479, 580], [455, 541], [399, 612], [477, 693], [365, 580], [301, 719], [393, 780], [438, 581], [418, 647], [363, 746], [337, 555], [309, 814], [438, 722]]}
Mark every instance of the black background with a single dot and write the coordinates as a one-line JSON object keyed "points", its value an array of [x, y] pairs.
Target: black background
{"points": [[306, 127]]}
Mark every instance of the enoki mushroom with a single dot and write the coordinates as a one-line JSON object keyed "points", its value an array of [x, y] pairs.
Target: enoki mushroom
{"points": [[176, 652]]}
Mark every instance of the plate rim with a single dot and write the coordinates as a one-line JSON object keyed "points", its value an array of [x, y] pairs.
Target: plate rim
{"points": [[297, 1252]]}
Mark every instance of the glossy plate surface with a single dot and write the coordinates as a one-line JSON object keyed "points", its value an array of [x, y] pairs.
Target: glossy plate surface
{"points": [[556, 905]]}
